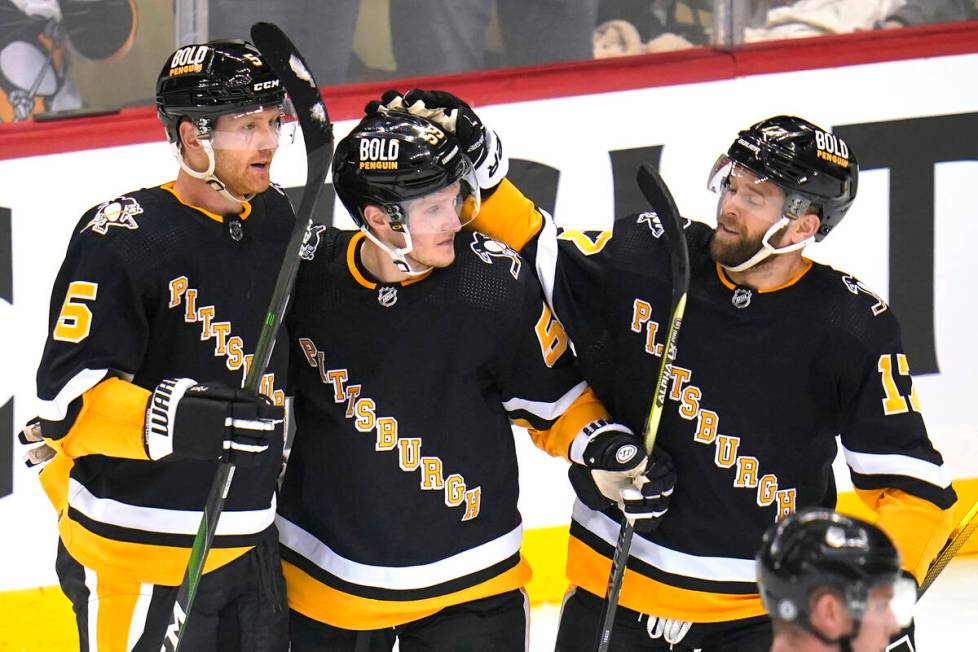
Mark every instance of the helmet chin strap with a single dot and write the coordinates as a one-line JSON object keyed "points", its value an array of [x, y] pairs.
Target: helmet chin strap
{"points": [[397, 254], [208, 175], [766, 248]]}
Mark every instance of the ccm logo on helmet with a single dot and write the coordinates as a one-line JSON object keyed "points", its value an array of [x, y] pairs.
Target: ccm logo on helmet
{"points": [[379, 154], [832, 148], [265, 85]]}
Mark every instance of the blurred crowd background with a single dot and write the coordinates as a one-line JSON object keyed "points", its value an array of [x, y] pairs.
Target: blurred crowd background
{"points": [[59, 57]]}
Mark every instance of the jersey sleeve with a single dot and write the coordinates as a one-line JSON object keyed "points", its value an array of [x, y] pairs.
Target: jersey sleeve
{"points": [[572, 266], [541, 386], [97, 334], [894, 466]]}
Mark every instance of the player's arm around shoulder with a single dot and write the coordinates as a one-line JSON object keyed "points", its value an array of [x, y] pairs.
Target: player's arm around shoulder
{"points": [[895, 468]]}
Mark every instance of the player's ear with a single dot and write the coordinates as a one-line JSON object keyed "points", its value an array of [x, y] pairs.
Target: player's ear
{"points": [[188, 136], [829, 615], [806, 227], [375, 217]]}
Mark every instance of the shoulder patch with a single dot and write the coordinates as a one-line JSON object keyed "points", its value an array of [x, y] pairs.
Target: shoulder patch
{"points": [[856, 286], [119, 212], [651, 218], [310, 241], [587, 242], [488, 249]]}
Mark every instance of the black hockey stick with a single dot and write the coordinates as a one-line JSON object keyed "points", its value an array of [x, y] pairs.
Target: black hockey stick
{"points": [[658, 195], [957, 539], [317, 134]]}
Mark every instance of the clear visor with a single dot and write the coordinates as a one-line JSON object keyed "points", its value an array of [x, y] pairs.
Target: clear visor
{"points": [[735, 183], [260, 128], [445, 210], [892, 601]]}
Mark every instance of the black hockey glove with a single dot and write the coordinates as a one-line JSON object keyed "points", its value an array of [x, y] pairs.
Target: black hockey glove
{"points": [[647, 504], [481, 144], [613, 458], [210, 422]]}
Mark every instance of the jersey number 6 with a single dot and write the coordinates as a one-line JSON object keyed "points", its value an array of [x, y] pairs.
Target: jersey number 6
{"points": [[75, 320]]}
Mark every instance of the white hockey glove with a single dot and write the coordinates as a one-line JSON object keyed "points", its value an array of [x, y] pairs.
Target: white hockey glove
{"points": [[615, 470], [480, 143], [210, 422]]}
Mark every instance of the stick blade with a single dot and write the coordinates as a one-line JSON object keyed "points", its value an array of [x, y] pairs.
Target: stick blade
{"points": [[285, 60]]}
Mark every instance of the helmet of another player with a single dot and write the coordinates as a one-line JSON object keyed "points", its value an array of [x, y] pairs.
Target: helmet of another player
{"points": [[398, 162], [817, 550], [203, 82], [816, 170]]}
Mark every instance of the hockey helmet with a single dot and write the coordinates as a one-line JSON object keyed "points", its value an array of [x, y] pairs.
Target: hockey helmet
{"points": [[815, 168], [819, 549], [204, 81], [392, 160]]}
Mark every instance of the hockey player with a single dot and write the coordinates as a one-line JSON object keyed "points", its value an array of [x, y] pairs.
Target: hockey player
{"points": [[831, 582], [778, 355], [413, 347], [153, 313]]}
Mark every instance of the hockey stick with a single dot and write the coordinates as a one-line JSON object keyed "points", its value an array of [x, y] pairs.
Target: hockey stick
{"points": [[958, 538], [655, 191], [317, 134]]}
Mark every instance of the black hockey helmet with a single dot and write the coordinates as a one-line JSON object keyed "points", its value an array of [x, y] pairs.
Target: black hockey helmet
{"points": [[814, 167], [204, 81], [390, 158], [819, 549]]}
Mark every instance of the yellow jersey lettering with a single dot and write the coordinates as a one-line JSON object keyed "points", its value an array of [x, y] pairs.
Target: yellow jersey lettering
{"points": [[431, 477], [473, 503], [386, 434], [706, 427], [365, 407], [454, 490]]}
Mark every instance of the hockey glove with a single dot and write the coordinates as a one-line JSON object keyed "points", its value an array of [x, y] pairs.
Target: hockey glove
{"points": [[648, 502], [612, 459], [210, 422], [31, 435], [480, 144]]}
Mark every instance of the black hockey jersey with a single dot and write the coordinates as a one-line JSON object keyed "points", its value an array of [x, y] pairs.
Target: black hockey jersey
{"points": [[762, 384], [153, 288], [400, 496]]}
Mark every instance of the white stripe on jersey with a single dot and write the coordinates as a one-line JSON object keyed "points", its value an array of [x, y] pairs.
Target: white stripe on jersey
{"points": [[137, 624], [57, 408], [167, 521], [547, 257], [892, 464], [91, 583], [716, 569], [544, 410], [399, 577]]}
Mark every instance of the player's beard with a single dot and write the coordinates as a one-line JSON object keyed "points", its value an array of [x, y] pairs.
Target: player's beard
{"points": [[731, 254]]}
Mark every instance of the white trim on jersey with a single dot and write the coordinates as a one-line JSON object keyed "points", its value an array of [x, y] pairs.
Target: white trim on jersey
{"points": [[166, 521], [715, 569], [91, 583], [546, 259], [544, 410], [57, 408], [892, 464], [400, 577], [140, 612]]}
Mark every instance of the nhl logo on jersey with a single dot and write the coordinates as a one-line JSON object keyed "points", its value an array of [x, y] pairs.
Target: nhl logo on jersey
{"points": [[235, 229], [387, 295], [118, 212], [486, 249], [741, 298]]}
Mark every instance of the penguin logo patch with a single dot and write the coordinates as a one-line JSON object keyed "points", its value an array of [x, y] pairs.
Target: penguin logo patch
{"points": [[856, 286], [486, 249], [310, 241], [118, 212]]}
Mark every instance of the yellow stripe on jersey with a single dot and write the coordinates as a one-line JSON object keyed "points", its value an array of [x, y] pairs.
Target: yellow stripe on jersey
{"points": [[113, 611], [141, 562], [508, 216], [110, 422], [315, 600], [171, 188], [589, 570], [917, 527], [557, 440]]}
